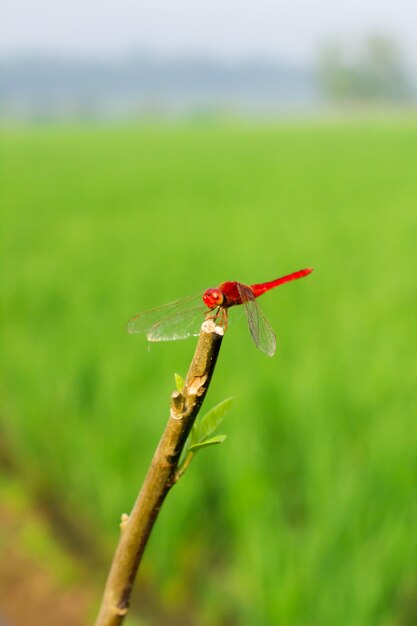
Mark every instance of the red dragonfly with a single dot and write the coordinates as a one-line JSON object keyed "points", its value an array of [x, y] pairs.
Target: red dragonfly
{"points": [[182, 318]]}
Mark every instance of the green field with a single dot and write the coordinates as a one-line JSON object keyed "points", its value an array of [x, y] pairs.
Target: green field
{"points": [[306, 515]]}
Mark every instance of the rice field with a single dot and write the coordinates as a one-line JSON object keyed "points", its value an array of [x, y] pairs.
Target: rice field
{"points": [[306, 515]]}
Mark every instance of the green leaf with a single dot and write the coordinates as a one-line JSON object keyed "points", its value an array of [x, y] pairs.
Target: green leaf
{"points": [[179, 382], [193, 438], [208, 442], [211, 420]]}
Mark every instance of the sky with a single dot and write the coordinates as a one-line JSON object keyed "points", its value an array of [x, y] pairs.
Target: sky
{"points": [[289, 30]]}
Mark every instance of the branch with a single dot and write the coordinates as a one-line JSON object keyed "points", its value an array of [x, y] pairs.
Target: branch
{"points": [[161, 476]]}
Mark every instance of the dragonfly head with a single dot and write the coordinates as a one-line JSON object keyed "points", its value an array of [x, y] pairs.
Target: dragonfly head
{"points": [[213, 298]]}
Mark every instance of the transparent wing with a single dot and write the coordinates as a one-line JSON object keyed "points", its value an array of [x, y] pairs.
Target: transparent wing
{"points": [[261, 331], [176, 320]]}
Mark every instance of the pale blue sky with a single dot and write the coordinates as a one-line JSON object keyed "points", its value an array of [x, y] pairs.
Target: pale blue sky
{"points": [[289, 29]]}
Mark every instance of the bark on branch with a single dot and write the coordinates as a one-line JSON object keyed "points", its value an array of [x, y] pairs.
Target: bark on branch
{"points": [[161, 476]]}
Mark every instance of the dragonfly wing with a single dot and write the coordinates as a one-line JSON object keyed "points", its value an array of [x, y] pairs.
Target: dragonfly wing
{"points": [[177, 320], [261, 331], [179, 326]]}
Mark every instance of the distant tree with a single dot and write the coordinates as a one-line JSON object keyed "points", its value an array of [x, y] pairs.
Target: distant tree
{"points": [[333, 71], [376, 72]]}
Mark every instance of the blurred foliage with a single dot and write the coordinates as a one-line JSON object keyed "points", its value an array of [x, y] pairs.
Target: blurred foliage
{"points": [[307, 514], [374, 72]]}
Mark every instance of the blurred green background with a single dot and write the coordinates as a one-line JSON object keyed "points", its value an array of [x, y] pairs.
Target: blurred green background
{"points": [[306, 514]]}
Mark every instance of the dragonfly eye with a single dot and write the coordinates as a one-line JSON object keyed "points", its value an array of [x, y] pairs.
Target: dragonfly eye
{"points": [[213, 298]]}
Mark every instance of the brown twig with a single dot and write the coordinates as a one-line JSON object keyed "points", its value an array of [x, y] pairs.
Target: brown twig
{"points": [[161, 476]]}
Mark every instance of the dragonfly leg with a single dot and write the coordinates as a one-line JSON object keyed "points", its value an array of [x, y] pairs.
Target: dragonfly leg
{"points": [[213, 314], [219, 316], [224, 318]]}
